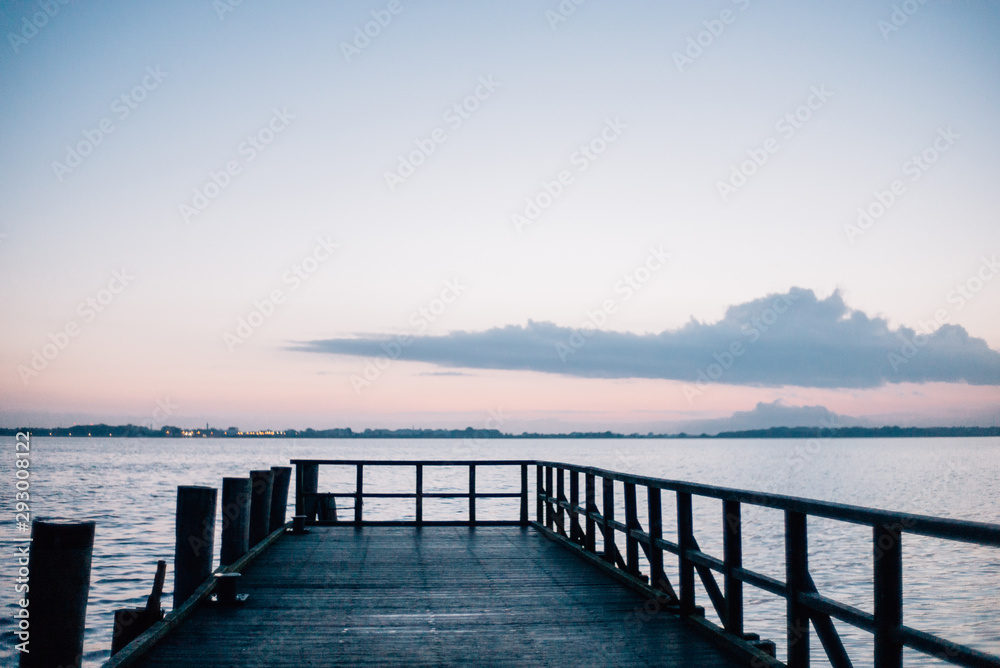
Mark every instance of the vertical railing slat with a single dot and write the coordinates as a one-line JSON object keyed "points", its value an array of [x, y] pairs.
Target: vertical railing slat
{"points": [[685, 532], [732, 548], [657, 577], [560, 496], [591, 504], [796, 579], [608, 498], [359, 491], [888, 553], [539, 490], [574, 501], [549, 519], [631, 522], [420, 494], [472, 494], [524, 494]]}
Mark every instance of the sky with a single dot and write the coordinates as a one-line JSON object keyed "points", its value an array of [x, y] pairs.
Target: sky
{"points": [[574, 215]]}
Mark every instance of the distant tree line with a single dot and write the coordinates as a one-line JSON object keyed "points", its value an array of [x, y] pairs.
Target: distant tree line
{"points": [[139, 431]]}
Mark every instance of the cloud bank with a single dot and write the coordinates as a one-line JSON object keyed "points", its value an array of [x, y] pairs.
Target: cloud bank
{"points": [[781, 339]]}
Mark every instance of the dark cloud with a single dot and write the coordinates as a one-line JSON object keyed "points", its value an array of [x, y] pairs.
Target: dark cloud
{"points": [[782, 339]]}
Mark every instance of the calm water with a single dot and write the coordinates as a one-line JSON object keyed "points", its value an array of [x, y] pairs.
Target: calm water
{"points": [[128, 486]]}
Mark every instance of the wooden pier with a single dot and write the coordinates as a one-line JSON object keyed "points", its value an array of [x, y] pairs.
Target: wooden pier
{"points": [[572, 585], [437, 596]]}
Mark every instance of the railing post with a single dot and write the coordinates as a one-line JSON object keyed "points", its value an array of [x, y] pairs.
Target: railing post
{"points": [[549, 519], [539, 490], [685, 532], [657, 578], [732, 548], [796, 579], [560, 496], [524, 494], [888, 552], [420, 494], [608, 494], [359, 491], [574, 501], [472, 494], [631, 522], [591, 503]]}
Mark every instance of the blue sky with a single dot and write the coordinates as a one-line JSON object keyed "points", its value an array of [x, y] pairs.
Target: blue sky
{"points": [[590, 119]]}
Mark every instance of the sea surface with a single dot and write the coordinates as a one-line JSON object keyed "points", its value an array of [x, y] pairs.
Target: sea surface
{"points": [[128, 487]]}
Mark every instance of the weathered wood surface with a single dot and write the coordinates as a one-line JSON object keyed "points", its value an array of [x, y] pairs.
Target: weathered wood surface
{"points": [[430, 596]]}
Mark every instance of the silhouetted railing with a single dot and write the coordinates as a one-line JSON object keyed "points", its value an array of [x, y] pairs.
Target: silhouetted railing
{"points": [[576, 520], [307, 495], [804, 603]]}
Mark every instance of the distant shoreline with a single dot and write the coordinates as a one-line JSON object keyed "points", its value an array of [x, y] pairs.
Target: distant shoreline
{"points": [[137, 431]]}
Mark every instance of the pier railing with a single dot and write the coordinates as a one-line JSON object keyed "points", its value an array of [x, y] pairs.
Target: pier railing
{"points": [[308, 499], [572, 516], [805, 604]]}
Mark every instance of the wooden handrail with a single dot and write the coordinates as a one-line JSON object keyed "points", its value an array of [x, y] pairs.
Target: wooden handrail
{"points": [[307, 475], [807, 609]]}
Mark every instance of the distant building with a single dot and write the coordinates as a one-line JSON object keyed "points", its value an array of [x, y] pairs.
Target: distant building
{"points": [[232, 431]]}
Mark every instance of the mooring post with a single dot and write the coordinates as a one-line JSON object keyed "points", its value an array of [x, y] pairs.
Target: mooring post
{"points": [[225, 588], [279, 496], [235, 519], [194, 537], [59, 581], [261, 485], [326, 507]]}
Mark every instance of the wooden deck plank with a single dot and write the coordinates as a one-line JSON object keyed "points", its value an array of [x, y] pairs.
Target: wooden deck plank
{"points": [[434, 596]]}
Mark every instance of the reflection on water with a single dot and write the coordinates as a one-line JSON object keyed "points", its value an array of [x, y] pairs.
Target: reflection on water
{"points": [[128, 487]]}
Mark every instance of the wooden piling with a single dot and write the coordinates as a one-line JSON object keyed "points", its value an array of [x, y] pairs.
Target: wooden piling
{"points": [[279, 496], [235, 519], [326, 507], [194, 537], [59, 581], [260, 505], [306, 484]]}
